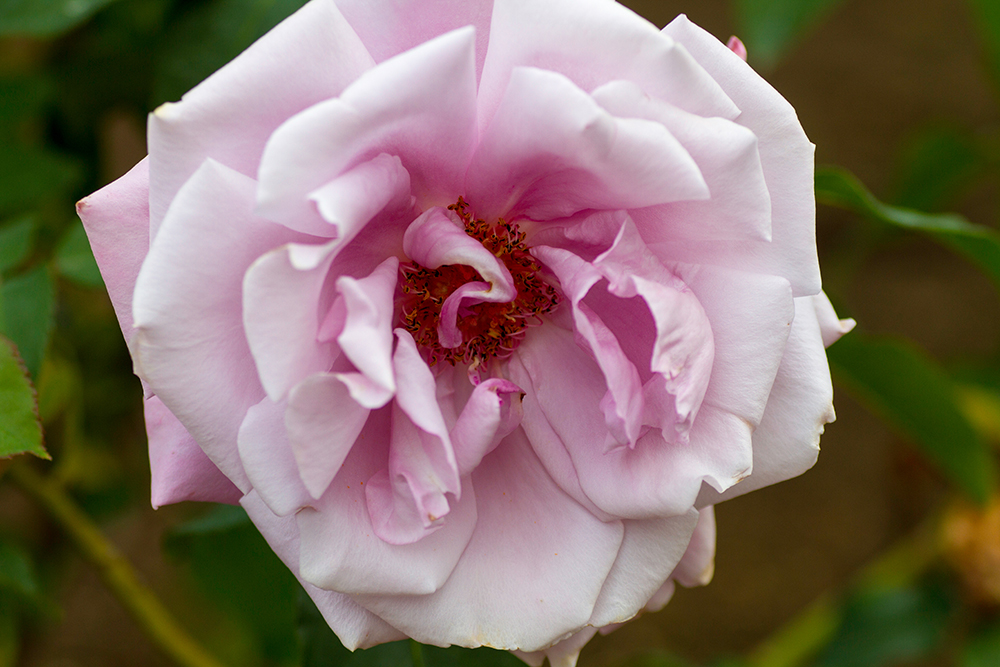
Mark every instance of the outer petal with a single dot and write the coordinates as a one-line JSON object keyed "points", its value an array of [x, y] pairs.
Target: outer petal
{"points": [[180, 470], [551, 151], [787, 158], [419, 106], [182, 325], [388, 29], [801, 402], [355, 626], [831, 327], [340, 550], [562, 654], [531, 573], [593, 42], [116, 218], [698, 564], [268, 458], [309, 57]]}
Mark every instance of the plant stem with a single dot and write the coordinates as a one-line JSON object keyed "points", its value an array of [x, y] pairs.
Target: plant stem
{"points": [[116, 571]]}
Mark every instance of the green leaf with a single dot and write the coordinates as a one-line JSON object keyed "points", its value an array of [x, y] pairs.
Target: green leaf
{"points": [[983, 650], [15, 242], [17, 575], [75, 260], [655, 658], [30, 176], [22, 98], [10, 639], [987, 16], [209, 36], [20, 430], [770, 27], [936, 166], [45, 18], [29, 314], [236, 568], [888, 627], [838, 187], [906, 388]]}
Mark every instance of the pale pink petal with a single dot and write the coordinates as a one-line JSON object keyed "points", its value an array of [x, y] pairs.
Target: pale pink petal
{"points": [[419, 106], [786, 443], [736, 46], [551, 151], [750, 315], [593, 42], [116, 218], [355, 626], [534, 566], [182, 325], [831, 327], [309, 57], [697, 566], [179, 469], [339, 548], [389, 28], [268, 458], [727, 155], [650, 550], [563, 654], [409, 500], [787, 158], [323, 423], [348, 202], [653, 479], [492, 412]]}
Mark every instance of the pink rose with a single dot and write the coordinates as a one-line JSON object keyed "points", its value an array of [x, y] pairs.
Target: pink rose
{"points": [[477, 308]]}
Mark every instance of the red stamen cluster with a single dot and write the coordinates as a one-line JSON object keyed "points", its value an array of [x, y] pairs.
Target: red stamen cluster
{"points": [[489, 330]]}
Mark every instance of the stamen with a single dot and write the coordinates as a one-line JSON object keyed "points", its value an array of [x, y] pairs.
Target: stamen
{"points": [[489, 330]]}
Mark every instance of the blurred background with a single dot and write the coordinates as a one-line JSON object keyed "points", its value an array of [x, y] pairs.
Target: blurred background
{"points": [[886, 554]]}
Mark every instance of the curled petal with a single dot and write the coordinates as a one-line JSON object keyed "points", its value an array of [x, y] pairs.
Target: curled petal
{"points": [[269, 460], [492, 412]]}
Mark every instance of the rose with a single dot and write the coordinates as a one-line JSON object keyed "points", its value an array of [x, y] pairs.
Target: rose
{"points": [[477, 323]]}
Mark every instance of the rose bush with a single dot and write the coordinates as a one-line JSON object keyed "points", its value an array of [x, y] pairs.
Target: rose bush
{"points": [[477, 308]]}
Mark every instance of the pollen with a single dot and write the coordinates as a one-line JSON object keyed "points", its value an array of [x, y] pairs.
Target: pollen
{"points": [[489, 330]]}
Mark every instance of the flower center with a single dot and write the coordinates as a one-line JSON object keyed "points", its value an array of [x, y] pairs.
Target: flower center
{"points": [[489, 330]]}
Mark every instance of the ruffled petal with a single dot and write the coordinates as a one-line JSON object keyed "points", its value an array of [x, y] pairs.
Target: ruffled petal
{"points": [[179, 469], [419, 106], [697, 567], [268, 458], [309, 57], [339, 548], [831, 327], [355, 626], [786, 156], [116, 218], [593, 42], [182, 325], [563, 654], [492, 412], [551, 151], [524, 518]]}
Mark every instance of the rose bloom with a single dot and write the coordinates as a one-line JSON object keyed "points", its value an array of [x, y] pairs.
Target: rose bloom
{"points": [[476, 307]]}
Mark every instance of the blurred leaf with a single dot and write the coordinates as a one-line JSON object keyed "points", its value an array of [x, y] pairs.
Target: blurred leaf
{"points": [[17, 574], [236, 568], [936, 166], [906, 388], [209, 36], [20, 430], [21, 98], [987, 15], [9, 635], [45, 17], [770, 27], [75, 260], [30, 176], [29, 314], [655, 659], [456, 656], [838, 187], [889, 626], [983, 649], [15, 242]]}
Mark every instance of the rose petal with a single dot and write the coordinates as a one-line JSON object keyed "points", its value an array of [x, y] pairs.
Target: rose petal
{"points": [[787, 159], [551, 150], [697, 566], [419, 106], [182, 325], [116, 218], [831, 327], [179, 469], [492, 412], [563, 653], [355, 626], [310, 56], [523, 518], [269, 460], [339, 548]]}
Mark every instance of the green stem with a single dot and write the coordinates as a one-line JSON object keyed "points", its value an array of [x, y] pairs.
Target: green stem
{"points": [[114, 569], [812, 628], [416, 653]]}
